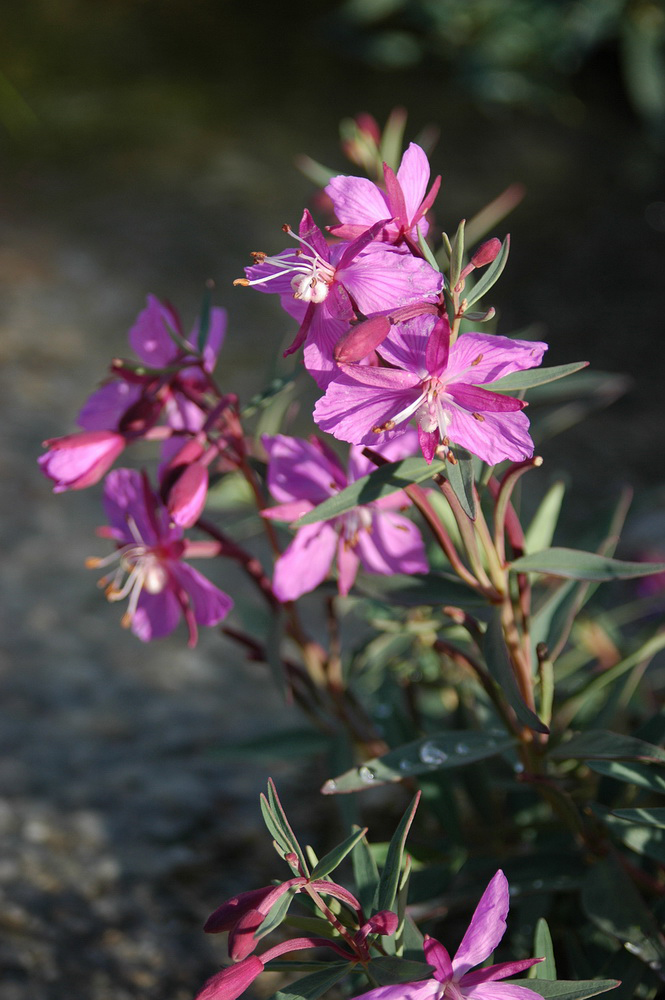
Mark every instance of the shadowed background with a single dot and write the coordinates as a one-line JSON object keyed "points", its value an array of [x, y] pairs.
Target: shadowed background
{"points": [[148, 147]]}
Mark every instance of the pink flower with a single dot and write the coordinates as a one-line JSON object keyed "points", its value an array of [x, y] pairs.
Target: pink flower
{"points": [[150, 572], [453, 979], [79, 460], [322, 285], [301, 474], [359, 203], [441, 387], [132, 398]]}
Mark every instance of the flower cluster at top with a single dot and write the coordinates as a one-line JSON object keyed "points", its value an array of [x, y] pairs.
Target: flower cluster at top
{"points": [[382, 337]]}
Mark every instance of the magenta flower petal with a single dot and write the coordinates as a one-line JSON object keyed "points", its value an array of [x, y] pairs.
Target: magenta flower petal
{"points": [[348, 561], [149, 335], [501, 970], [438, 347], [306, 562], [383, 278], [187, 497], [495, 438], [104, 409], [425, 989], [155, 616], [79, 460], [394, 545], [228, 914], [215, 338], [210, 603], [357, 200], [301, 470], [487, 927], [437, 955], [413, 177], [478, 358], [358, 401]]}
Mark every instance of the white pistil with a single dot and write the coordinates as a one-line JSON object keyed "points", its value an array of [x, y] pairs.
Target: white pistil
{"points": [[312, 275], [144, 569]]}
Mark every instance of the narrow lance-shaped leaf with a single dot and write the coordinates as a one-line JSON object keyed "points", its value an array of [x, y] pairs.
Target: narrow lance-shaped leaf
{"points": [[542, 947], [460, 477], [204, 320], [648, 817], [276, 914], [562, 989], [280, 816], [390, 876], [330, 861], [315, 985], [541, 530], [643, 775], [534, 376], [491, 275], [388, 969], [457, 254], [426, 250], [601, 745], [380, 483], [576, 565], [365, 873], [501, 669], [443, 751]]}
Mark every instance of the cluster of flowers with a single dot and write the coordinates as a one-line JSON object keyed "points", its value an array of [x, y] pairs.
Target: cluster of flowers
{"points": [[378, 340], [452, 979]]}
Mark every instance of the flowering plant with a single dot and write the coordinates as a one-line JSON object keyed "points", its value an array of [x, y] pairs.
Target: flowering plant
{"points": [[461, 652]]}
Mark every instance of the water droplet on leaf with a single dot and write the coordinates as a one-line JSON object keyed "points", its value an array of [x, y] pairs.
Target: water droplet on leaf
{"points": [[430, 753], [462, 749], [366, 775]]}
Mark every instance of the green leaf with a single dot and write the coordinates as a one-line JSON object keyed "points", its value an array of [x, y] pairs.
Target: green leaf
{"points": [[644, 775], [333, 858], [602, 745], [563, 989], [419, 589], [390, 876], [274, 829], [648, 841], [540, 532], [609, 899], [533, 376], [382, 482], [365, 874], [575, 565], [262, 399], [501, 669], [460, 477], [648, 817], [204, 321], [455, 748], [276, 914], [285, 826], [490, 276], [426, 250], [542, 947], [315, 985], [388, 970], [457, 254]]}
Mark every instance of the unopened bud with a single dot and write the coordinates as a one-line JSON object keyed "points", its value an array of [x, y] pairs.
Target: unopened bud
{"points": [[242, 939], [361, 340], [187, 497], [231, 982], [486, 252]]}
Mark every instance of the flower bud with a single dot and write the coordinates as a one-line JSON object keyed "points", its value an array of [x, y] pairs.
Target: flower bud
{"points": [[242, 939], [79, 460], [362, 339], [229, 913], [232, 981], [188, 495], [384, 922], [486, 252]]}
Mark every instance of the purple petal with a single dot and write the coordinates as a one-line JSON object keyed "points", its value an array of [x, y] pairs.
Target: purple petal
{"points": [[382, 278], [356, 200], [472, 397], [301, 470], [347, 566], [395, 197], [210, 603], [500, 991], [413, 176], [406, 344], [353, 405], [305, 563], [318, 355], [403, 446], [499, 971], [126, 498], [429, 442], [156, 615], [353, 249], [482, 357], [426, 989], [394, 545], [103, 410], [214, 340], [79, 460], [149, 335], [437, 955], [308, 230], [438, 347], [495, 438], [487, 927]]}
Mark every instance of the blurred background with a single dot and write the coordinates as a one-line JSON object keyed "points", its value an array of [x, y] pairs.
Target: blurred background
{"points": [[148, 147]]}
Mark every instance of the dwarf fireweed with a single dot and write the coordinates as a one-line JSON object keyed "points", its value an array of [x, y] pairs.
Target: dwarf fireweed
{"points": [[435, 638]]}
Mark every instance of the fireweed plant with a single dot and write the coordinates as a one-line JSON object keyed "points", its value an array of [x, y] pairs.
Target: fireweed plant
{"points": [[461, 656]]}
